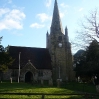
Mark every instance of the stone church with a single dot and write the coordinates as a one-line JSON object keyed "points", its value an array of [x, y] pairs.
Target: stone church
{"points": [[44, 64]]}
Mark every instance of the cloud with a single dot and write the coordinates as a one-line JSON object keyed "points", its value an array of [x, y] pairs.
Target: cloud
{"points": [[48, 3], [63, 9], [62, 14], [64, 5], [3, 11], [36, 25], [81, 9], [11, 19], [44, 17]]}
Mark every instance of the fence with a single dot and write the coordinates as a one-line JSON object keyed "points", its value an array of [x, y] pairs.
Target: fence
{"points": [[84, 95]]}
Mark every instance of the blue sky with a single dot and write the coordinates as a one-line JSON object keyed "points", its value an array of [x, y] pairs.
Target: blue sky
{"points": [[26, 22]]}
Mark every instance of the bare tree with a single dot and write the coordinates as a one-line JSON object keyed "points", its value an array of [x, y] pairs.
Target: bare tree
{"points": [[91, 26], [89, 30]]}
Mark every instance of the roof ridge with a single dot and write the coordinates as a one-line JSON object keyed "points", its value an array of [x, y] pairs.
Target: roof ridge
{"points": [[27, 47]]}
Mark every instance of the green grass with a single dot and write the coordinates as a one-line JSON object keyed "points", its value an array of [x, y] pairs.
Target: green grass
{"points": [[68, 88], [81, 87]]}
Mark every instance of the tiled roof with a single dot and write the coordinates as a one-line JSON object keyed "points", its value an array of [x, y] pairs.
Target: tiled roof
{"points": [[39, 57]]}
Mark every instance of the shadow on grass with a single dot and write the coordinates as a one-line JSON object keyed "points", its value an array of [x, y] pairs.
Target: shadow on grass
{"points": [[67, 88], [80, 87]]}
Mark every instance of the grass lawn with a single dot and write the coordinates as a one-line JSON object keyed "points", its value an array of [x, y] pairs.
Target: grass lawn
{"points": [[69, 88]]}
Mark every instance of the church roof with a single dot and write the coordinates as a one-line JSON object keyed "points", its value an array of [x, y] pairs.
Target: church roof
{"points": [[39, 57]]}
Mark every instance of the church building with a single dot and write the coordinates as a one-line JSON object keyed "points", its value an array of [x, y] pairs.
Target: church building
{"points": [[44, 64]]}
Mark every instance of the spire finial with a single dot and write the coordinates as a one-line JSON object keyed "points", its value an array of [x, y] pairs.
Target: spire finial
{"points": [[66, 28], [47, 33], [66, 34], [55, 1]]}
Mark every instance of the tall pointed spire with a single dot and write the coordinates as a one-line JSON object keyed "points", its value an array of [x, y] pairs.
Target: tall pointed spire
{"points": [[56, 22]]}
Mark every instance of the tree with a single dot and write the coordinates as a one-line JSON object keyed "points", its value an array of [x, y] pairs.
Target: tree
{"points": [[0, 39], [92, 57], [88, 63], [79, 60], [88, 30], [5, 60], [92, 28]]}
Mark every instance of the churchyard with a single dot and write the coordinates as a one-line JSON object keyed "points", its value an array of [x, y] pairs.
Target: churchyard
{"points": [[38, 91]]}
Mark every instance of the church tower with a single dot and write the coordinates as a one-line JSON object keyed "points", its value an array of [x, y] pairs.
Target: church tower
{"points": [[60, 49]]}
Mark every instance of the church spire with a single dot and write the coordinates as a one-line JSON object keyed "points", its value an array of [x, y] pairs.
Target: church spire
{"points": [[56, 22]]}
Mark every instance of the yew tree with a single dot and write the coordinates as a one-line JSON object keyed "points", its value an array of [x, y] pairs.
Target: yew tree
{"points": [[5, 60], [87, 64], [92, 57]]}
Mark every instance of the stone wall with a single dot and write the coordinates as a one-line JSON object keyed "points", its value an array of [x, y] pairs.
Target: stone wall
{"points": [[11, 73], [46, 74]]}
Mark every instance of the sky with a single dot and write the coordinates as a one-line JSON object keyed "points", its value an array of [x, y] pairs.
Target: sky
{"points": [[26, 22]]}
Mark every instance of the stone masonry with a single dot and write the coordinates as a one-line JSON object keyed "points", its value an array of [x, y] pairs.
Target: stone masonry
{"points": [[60, 49]]}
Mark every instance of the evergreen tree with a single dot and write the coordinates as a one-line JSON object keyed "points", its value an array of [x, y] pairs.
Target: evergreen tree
{"points": [[79, 61], [5, 60], [0, 39], [87, 63], [92, 57]]}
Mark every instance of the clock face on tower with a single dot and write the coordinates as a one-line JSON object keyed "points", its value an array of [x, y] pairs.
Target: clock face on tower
{"points": [[60, 44]]}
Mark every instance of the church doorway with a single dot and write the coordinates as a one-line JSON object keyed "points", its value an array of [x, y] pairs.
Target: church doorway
{"points": [[28, 77]]}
